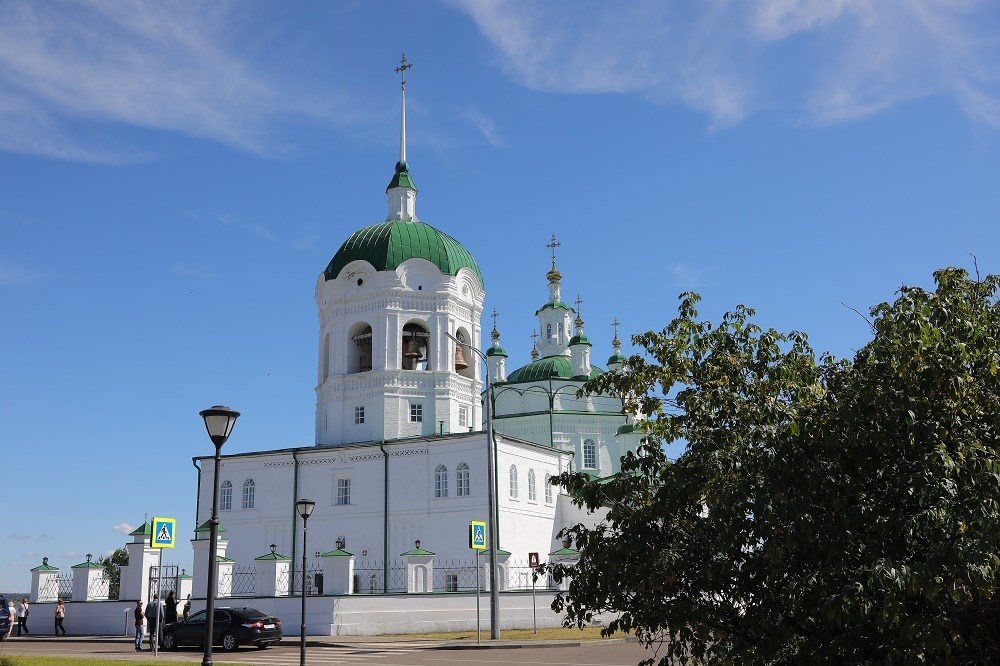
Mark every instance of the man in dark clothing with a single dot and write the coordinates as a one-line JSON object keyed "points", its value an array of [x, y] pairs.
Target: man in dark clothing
{"points": [[170, 611]]}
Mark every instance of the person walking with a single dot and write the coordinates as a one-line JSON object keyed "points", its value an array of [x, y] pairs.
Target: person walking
{"points": [[60, 614], [22, 617], [139, 623], [170, 609], [187, 608], [11, 617], [154, 615]]}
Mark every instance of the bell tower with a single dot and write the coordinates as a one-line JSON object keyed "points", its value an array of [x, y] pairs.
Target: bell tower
{"points": [[389, 303]]}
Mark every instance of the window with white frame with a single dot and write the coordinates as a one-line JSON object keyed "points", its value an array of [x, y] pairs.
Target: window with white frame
{"points": [[248, 494], [548, 489], [416, 412], [440, 481], [589, 454], [359, 414], [462, 480], [513, 481], [532, 497], [226, 496], [463, 417], [343, 491]]}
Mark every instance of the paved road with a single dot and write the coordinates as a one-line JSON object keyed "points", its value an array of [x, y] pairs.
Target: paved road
{"points": [[323, 653]]}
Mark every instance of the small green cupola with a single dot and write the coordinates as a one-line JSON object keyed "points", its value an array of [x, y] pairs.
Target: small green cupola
{"points": [[616, 360], [496, 357], [401, 178]]}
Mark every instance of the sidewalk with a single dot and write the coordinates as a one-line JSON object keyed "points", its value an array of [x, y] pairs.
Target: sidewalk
{"points": [[355, 642]]}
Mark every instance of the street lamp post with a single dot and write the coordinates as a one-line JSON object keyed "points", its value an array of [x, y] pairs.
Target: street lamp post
{"points": [[305, 508], [491, 524], [219, 422]]}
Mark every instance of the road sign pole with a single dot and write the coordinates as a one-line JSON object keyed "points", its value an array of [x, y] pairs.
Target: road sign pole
{"points": [[159, 591], [478, 590]]}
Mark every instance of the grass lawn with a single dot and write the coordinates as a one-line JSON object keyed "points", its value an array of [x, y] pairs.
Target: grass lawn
{"points": [[556, 633], [9, 660]]}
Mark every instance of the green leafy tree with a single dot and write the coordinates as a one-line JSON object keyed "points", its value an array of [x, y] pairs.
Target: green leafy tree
{"points": [[113, 570], [823, 511]]}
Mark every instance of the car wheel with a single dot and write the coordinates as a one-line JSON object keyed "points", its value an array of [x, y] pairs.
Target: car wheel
{"points": [[169, 641], [229, 642], [263, 646]]}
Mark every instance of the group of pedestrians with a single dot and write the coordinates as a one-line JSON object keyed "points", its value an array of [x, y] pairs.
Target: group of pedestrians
{"points": [[156, 611], [18, 617]]}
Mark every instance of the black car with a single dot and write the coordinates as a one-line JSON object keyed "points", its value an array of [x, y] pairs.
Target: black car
{"points": [[231, 628]]}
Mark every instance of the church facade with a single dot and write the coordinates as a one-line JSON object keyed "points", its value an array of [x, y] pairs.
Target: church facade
{"points": [[400, 452]]}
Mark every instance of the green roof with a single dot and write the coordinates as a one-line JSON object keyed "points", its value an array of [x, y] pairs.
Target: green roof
{"points": [[550, 367], [45, 567], [580, 340], [222, 558], [616, 358], [207, 527], [337, 552], [555, 305], [388, 244], [401, 178], [145, 530], [417, 551], [566, 551], [496, 351], [627, 429], [87, 565], [273, 556]]}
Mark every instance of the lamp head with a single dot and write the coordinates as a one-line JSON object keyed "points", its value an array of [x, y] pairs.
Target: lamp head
{"points": [[305, 507], [219, 422]]}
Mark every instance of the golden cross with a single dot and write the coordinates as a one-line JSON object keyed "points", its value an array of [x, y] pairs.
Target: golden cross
{"points": [[553, 244], [403, 66]]}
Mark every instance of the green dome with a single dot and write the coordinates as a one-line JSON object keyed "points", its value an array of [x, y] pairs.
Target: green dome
{"points": [[496, 351], [616, 358], [579, 340], [387, 245], [550, 367]]}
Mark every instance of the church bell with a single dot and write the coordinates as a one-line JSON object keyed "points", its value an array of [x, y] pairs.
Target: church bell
{"points": [[412, 349], [460, 362]]}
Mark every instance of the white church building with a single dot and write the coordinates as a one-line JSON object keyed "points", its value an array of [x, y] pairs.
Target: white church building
{"points": [[399, 464]]}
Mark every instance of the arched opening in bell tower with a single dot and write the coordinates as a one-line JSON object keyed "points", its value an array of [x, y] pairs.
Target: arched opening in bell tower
{"points": [[463, 361], [359, 353], [415, 347]]}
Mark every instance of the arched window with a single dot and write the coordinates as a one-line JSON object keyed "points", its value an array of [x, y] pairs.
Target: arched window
{"points": [[226, 496], [440, 481], [248, 494], [589, 454], [513, 481], [462, 480], [326, 356], [416, 348], [531, 486], [465, 353], [560, 331], [548, 489], [359, 356], [548, 331]]}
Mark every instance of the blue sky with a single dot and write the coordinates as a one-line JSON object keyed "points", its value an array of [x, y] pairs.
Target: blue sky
{"points": [[175, 176]]}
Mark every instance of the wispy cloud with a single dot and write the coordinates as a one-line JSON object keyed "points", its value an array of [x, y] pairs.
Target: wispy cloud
{"points": [[123, 528], [72, 70], [484, 124], [825, 60], [13, 276]]}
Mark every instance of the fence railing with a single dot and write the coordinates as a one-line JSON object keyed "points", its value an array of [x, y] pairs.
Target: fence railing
{"points": [[372, 577], [291, 581]]}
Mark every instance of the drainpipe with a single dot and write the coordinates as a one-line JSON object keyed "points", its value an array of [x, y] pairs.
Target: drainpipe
{"points": [[552, 406], [197, 497], [385, 519], [295, 496]]}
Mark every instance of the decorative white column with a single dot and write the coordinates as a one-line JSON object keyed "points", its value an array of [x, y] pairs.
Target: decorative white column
{"points": [[185, 584], [419, 569], [568, 556], [44, 582], [85, 576], [503, 556], [200, 545], [141, 556], [339, 571], [272, 574]]}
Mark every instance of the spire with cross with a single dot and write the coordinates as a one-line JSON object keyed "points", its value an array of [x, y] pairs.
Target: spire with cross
{"points": [[579, 314], [616, 343], [401, 70], [554, 276], [534, 345], [495, 334], [553, 244]]}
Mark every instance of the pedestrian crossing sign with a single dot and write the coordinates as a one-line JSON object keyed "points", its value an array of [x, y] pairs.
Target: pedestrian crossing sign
{"points": [[477, 535], [164, 533]]}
